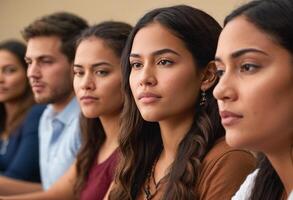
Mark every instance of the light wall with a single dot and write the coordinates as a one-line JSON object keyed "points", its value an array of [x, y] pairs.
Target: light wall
{"points": [[15, 14]]}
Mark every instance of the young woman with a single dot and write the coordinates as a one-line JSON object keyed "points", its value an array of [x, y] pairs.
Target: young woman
{"points": [[18, 136], [171, 135], [97, 84], [255, 92]]}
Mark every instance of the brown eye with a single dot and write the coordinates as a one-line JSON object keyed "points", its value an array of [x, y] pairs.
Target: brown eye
{"points": [[248, 67]]}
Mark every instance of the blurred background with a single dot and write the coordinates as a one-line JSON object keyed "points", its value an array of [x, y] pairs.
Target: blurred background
{"points": [[16, 14]]}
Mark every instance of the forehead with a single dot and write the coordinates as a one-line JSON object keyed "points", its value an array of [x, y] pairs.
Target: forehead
{"points": [[6, 57], [155, 36], [42, 46], [240, 33], [94, 49]]}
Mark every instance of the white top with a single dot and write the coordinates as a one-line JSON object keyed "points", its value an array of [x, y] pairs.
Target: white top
{"points": [[291, 196], [246, 188]]}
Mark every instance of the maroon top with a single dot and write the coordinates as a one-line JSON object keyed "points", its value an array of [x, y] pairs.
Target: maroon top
{"points": [[100, 178]]}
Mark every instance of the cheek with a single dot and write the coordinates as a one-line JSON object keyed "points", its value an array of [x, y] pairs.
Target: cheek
{"points": [[76, 86], [183, 86], [17, 82], [133, 82]]}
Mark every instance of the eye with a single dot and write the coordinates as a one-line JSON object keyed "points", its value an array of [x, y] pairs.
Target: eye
{"points": [[9, 70], [46, 62], [165, 62], [220, 72], [78, 72], [101, 73], [135, 65], [248, 67]]}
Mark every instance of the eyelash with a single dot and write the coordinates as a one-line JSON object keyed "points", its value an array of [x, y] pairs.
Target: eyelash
{"points": [[165, 62], [135, 65], [101, 73], [244, 68], [247, 66]]}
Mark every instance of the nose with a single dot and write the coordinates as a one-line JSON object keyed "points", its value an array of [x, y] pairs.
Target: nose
{"points": [[87, 82], [34, 71], [148, 76], [225, 89]]}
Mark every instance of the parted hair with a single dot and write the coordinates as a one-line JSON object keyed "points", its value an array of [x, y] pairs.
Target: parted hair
{"points": [[66, 26], [280, 28], [141, 141]]}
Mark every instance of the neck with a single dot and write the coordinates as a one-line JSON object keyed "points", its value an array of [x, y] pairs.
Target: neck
{"points": [[60, 105], [172, 132], [111, 127], [11, 110], [282, 161]]}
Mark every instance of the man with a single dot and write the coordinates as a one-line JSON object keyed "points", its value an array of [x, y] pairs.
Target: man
{"points": [[50, 53]]}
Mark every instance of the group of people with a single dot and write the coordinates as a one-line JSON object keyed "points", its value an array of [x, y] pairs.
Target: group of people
{"points": [[173, 108]]}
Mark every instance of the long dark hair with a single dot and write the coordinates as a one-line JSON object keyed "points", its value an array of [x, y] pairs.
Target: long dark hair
{"points": [[273, 17], [141, 141], [17, 49], [114, 34]]}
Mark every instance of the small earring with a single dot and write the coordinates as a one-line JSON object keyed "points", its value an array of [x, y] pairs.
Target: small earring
{"points": [[203, 100]]}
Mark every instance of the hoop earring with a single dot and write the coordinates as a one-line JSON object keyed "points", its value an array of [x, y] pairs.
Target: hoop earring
{"points": [[203, 100]]}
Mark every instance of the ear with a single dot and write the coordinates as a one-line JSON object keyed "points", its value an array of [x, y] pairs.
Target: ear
{"points": [[209, 76]]}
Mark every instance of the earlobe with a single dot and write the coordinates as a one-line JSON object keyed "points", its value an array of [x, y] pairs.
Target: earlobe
{"points": [[209, 76]]}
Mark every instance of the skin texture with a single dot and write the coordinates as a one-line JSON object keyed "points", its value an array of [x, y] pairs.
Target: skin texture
{"points": [[12, 77], [97, 73], [97, 79], [165, 83], [49, 71], [161, 65], [256, 84]]}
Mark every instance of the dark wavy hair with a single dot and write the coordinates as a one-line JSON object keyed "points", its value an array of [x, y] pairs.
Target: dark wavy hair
{"points": [[66, 26], [17, 49], [273, 17], [114, 34], [141, 141]]}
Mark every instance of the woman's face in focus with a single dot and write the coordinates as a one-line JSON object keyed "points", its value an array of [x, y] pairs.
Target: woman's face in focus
{"points": [[97, 79], [164, 79], [255, 91]]}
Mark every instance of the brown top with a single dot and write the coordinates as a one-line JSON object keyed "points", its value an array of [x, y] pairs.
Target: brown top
{"points": [[223, 170]]}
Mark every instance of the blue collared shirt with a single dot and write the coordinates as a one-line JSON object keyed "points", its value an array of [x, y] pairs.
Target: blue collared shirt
{"points": [[58, 150]]}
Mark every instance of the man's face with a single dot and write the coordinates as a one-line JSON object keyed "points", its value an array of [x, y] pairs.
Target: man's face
{"points": [[49, 70]]}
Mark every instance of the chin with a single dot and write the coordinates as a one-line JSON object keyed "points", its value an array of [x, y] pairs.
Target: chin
{"points": [[151, 117], [233, 139], [89, 114]]}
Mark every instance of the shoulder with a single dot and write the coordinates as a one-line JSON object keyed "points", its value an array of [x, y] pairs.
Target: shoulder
{"points": [[221, 153], [223, 170], [30, 124], [36, 111], [246, 188]]}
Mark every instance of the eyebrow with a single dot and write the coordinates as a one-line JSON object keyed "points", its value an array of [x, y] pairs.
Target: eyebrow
{"points": [[156, 53], [94, 65], [241, 52], [40, 57]]}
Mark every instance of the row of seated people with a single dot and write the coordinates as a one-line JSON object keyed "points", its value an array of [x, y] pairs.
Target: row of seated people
{"points": [[167, 109]]}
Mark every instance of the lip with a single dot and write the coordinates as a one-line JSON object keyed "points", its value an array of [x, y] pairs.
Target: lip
{"points": [[88, 99], [148, 97], [230, 118], [37, 87]]}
